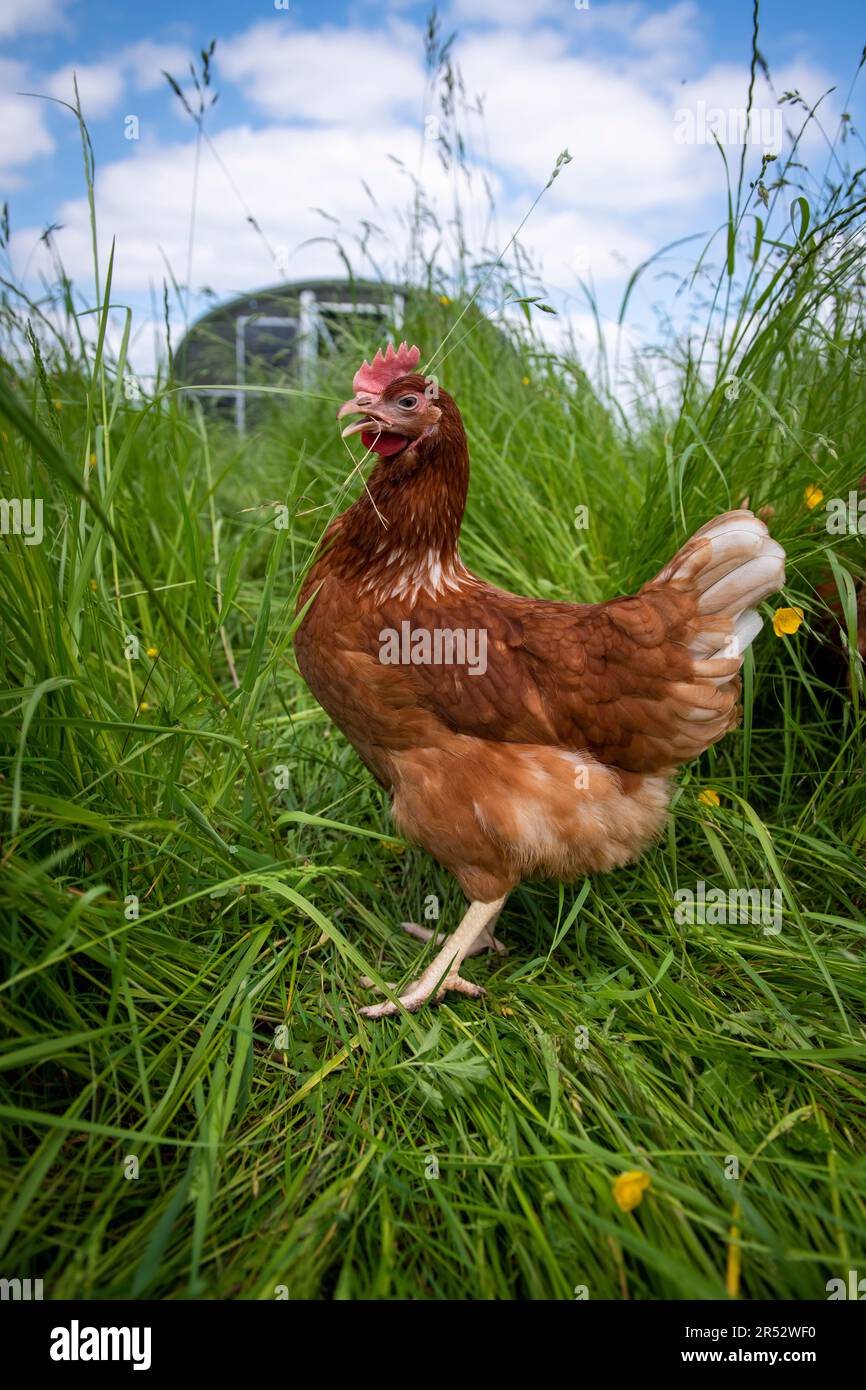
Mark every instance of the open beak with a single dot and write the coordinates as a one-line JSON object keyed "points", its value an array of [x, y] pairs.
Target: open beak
{"points": [[370, 422], [375, 428], [357, 428]]}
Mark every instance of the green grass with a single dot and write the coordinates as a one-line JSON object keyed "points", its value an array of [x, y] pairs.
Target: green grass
{"points": [[282, 1141]]}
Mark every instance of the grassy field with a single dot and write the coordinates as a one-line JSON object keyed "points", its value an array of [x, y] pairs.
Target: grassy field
{"points": [[196, 869]]}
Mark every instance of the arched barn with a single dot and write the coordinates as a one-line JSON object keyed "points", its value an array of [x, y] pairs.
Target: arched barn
{"points": [[276, 335]]}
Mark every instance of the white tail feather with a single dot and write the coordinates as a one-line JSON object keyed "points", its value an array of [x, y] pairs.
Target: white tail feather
{"points": [[731, 564]]}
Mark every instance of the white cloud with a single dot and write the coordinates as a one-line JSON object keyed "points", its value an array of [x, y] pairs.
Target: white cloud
{"points": [[723, 89], [630, 23], [284, 173], [538, 96], [26, 120], [22, 121], [333, 75], [660, 32], [619, 131], [510, 13], [29, 16], [570, 247], [100, 87], [148, 60]]}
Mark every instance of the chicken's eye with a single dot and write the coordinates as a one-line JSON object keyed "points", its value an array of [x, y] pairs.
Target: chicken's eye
{"points": [[407, 402]]}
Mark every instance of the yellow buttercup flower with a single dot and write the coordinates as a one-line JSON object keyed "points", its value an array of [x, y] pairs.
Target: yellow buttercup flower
{"points": [[144, 705], [813, 496], [709, 798], [152, 651], [628, 1189], [443, 299], [526, 381], [786, 621]]}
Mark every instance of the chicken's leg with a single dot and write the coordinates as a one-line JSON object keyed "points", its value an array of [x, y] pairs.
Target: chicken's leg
{"points": [[443, 972]]}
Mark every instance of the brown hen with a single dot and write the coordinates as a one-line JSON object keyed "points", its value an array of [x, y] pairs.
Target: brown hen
{"points": [[517, 737]]}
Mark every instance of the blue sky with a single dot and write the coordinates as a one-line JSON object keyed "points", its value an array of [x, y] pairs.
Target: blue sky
{"points": [[317, 101]]}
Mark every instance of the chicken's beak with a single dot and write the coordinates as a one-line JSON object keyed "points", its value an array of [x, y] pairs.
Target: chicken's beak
{"points": [[354, 407]]}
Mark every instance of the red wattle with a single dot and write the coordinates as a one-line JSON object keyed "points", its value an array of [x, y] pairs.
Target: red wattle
{"points": [[384, 444]]}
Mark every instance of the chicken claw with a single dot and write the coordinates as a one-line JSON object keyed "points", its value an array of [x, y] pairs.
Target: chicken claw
{"points": [[443, 972], [415, 997]]}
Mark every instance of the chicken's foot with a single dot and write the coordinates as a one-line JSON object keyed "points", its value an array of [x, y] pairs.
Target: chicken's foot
{"points": [[443, 972]]}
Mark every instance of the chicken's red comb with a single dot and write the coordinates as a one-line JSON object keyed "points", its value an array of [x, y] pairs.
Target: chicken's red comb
{"points": [[374, 376]]}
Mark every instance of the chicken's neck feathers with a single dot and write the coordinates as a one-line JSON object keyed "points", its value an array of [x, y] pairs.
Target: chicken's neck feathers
{"points": [[401, 536]]}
